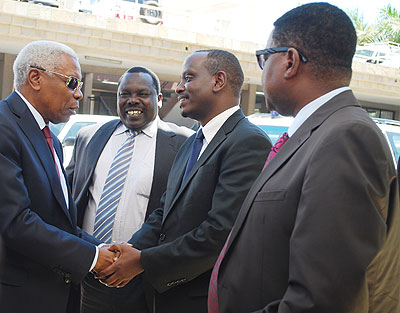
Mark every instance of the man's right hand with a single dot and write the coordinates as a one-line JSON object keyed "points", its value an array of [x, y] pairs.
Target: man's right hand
{"points": [[105, 258]]}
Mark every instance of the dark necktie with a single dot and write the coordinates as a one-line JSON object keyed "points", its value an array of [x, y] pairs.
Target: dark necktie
{"points": [[280, 142], [196, 148], [49, 140]]}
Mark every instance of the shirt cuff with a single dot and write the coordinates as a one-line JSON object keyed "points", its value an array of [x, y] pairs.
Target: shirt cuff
{"points": [[96, 256]]}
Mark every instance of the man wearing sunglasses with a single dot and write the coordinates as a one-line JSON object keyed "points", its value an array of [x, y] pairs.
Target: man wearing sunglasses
{"points": [[45, 253], [319, 231]]}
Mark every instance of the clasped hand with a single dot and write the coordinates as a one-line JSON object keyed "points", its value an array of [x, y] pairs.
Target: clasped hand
{"points": [[124, 267]]}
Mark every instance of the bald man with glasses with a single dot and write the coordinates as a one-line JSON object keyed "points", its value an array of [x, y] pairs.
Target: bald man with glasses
{"points": [[45, 254]]}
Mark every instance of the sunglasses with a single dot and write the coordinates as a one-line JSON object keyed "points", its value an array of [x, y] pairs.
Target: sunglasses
{"points": [[261, 53], [72, 83]]}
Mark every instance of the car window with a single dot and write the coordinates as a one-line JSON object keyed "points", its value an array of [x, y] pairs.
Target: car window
{"points": [[274, 132], [56, 128], [394, 139], [76, 127]]}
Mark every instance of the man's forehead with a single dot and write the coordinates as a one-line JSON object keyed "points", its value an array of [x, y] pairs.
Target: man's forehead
{"points": [[194, 60]]}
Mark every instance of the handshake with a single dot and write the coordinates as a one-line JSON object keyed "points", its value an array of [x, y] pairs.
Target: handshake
{"points": [[117, 264]]}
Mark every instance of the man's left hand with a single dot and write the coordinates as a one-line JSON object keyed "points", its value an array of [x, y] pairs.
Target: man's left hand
{"points": [[124, 269]]}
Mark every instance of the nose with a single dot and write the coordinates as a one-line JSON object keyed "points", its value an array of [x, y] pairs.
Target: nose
{"points": [[179, 88], [133, 99], [78, 95]]}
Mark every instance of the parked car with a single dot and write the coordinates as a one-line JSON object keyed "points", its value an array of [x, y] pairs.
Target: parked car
{"points": [[274, 125], [66, 132]]}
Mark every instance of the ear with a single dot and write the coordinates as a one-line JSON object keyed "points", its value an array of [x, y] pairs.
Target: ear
{"points": [[293, 63], [220, 81], [159, 100], [33, 79]]}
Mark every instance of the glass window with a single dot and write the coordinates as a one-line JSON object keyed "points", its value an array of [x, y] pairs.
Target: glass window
{"points": [[274, 132], [394, 139], [56, 128], [76, 127]]}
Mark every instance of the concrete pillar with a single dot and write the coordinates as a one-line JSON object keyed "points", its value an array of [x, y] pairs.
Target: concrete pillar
{"points": [[248, 100], [87, 105], [6, 74]]}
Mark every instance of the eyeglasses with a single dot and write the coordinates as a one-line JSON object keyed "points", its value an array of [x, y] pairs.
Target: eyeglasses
{"points": [[261, 53], [72, 83]]}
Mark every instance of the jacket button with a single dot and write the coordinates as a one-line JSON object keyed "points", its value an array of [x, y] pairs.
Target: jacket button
{"points": [[162, 237], [67, 280]]}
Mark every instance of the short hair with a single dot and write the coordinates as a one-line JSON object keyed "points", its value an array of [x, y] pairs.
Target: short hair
{"points": [[141, 69], [323, 33], [220, 60], [42, 53]]}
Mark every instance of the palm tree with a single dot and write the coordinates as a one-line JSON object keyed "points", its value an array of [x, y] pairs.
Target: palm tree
{"points": [[365, 33], [388, 26]]}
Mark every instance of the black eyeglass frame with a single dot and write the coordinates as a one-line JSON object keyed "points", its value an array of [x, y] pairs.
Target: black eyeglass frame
{"points": [[260, 53], [71, 80]]}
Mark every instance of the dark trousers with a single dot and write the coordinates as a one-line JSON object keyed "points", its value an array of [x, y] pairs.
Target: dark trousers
{"points": [[97, 298]]}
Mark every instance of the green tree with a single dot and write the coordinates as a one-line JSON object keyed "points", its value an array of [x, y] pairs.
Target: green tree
{"points": [[388, 25], [365, 33]]}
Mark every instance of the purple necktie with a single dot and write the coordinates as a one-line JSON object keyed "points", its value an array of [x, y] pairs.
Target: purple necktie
{"points": [[213, 287], [280, 142]]}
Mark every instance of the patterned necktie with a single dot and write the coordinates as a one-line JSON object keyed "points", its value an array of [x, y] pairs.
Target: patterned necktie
{"points": [[112, 190], [213, 286], [196, 148], [280, 142], [49, 140]]}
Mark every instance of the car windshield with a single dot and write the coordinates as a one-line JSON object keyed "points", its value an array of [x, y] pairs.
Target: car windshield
{"points": [[394, 139], [76, 127], [56, 128], [274, 132]]}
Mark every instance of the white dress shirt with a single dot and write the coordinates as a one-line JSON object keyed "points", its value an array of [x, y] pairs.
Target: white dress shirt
{"points": [[213, 126], [311, 107], [132, 207]]}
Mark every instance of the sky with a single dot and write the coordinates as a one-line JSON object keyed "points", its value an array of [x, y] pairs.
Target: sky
{"points": [[251, 20]]}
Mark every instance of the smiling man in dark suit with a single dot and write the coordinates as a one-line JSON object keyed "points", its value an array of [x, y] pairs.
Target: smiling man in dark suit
{"points": [[179, 242], [319, 231], [45, 253], [154, 149]]}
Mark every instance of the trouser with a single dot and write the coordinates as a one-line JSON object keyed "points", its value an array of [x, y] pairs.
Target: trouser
{"points": [[98, 298]]}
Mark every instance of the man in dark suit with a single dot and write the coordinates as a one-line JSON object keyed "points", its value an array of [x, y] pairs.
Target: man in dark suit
{"points": [[138, 99], [179, 242], [44, 250], [319, 229]]}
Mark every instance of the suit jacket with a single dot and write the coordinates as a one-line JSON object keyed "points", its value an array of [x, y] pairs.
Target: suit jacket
{"points": [[319, 229], [89, 145], [180, 241], [43, 251]]}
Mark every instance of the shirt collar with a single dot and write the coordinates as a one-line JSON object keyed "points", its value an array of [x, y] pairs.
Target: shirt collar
{"points": [[311, 107], [37, 116], [213, 126], [150, 130]]}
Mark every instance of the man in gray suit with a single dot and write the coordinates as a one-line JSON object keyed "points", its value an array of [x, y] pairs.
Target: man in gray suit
{"points": [[180, 241], [155, 146], [319, 229]]}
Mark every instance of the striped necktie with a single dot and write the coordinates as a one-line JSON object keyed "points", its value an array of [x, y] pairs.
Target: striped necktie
{"points": [[112, 190]]}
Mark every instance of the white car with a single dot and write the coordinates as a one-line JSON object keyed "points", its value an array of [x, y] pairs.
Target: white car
{"points": [[274, 125], [66, 132]]}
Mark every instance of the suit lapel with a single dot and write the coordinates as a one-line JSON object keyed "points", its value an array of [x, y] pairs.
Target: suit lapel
{"points": [[30, 128], [219, 137], [288, 149], [96, 146]]}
